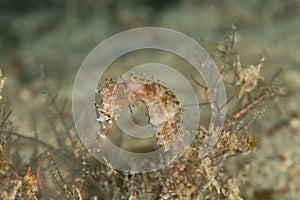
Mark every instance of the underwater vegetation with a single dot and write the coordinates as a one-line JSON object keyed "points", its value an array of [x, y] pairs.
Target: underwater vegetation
{"points": [[61, 168]]}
